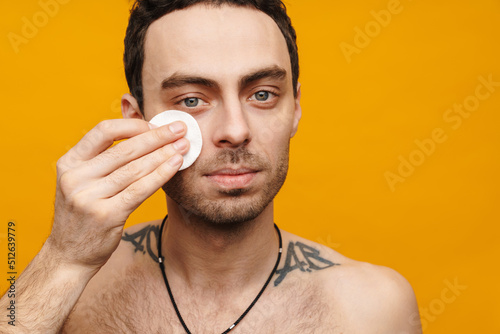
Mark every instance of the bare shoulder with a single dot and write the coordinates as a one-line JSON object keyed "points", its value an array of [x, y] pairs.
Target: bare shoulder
{"points": [[377, 297], [372, 298], [116, 282]]}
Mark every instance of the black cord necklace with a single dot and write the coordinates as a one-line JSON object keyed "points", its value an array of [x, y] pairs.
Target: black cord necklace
{"points": [[161, 261]]}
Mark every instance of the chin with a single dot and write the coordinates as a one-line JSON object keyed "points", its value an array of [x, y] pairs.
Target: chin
{"points": [[234, 208]]}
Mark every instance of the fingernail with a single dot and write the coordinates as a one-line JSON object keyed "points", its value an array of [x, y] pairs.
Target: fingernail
{"points": [[180, 144], [176, 127], [152, 126], [175, 160]]}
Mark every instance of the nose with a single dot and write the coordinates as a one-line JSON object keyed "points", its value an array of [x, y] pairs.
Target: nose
{"points": [[231, 126]]}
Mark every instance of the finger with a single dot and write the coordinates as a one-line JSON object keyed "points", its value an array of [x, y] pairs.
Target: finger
{"points": [[131, 197], [124, 176], [132, 149], [99, 138]]}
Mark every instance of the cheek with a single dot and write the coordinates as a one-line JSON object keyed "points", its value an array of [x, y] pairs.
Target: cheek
{"points": [[206, 132], [272, 140], [274, 130]]}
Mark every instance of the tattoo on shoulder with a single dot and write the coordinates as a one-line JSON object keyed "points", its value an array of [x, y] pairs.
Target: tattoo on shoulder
{"points": [[313, 260], [142, 240], [296, 253]]}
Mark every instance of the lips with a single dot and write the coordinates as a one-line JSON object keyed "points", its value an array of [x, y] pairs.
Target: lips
{"points": [[231, 178]]}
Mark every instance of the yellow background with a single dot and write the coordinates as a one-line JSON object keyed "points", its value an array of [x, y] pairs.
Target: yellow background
{"points": [[360, 114]]}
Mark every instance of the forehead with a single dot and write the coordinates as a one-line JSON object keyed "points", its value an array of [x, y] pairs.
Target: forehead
{"points": [[214, 41]]}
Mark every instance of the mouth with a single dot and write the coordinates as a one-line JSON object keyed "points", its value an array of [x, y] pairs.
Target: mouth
{"points": [[230, 178]]}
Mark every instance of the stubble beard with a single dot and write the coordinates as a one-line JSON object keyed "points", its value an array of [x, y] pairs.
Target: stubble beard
{"points": [[233, 206]]}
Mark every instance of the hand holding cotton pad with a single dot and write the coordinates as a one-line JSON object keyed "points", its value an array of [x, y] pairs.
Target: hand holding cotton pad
{"points": [[193, 132]]}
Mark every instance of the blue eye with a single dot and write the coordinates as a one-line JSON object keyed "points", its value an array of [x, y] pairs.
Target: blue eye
{"points": [[191, 102], [262, 95]]}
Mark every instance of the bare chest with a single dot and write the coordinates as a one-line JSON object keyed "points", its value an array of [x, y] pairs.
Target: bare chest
{"points": [[142, 305]]}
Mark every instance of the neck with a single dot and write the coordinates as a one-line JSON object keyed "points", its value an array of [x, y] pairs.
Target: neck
{"points": [[205, 255]]}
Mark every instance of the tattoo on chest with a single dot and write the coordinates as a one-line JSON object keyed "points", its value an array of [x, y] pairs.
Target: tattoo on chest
{"points": [[313, 261], [142, 240]]}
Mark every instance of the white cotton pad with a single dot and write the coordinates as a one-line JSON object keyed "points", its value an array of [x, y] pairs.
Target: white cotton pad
{"points": [[193, 132]]}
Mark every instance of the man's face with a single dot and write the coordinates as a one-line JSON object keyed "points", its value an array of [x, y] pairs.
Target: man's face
{"points": [[230, 69]]}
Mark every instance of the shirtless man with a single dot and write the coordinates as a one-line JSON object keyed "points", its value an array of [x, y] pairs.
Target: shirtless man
{"points": [[234, 68]]}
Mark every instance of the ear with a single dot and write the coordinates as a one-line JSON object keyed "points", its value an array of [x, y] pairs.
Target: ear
{"points": [[297, 113], [130, 107]]}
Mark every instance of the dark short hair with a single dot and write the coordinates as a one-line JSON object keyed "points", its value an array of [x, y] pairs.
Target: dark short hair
{"points": [[145, 12]]}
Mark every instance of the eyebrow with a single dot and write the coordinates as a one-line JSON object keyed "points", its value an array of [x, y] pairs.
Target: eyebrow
{"points": [[179, 80], [272, 72]]}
